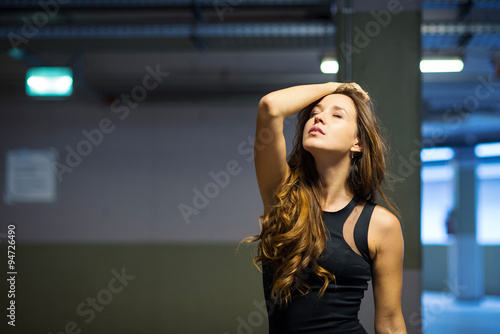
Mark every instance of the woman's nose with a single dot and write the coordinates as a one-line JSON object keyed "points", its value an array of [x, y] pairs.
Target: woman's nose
{"points": [[318, 118]]}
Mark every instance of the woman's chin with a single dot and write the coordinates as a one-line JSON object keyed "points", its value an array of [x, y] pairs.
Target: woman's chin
{"points": [[322, 151], [311, 148]]}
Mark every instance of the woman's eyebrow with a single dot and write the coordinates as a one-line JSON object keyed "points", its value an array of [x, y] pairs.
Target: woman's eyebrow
{"points": [[336, 107], [340, 108]]}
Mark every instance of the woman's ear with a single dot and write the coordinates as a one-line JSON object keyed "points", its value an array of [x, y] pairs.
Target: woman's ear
{"points": [[357, 147]]}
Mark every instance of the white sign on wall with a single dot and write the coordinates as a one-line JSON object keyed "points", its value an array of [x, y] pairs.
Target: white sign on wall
{"points": [[30, 177]]}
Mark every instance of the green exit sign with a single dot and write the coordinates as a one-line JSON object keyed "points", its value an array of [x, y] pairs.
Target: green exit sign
{"points": [[49, 81]]}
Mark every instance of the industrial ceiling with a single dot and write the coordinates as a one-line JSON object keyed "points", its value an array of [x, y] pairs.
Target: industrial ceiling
{"points": [[238, 46]]}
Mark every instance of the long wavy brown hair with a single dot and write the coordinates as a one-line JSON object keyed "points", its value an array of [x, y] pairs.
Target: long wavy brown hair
{"points": [[293, 236]]}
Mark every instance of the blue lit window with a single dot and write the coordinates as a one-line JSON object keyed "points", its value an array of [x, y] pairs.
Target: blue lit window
{"points": [[488, 203], [437, 201]]}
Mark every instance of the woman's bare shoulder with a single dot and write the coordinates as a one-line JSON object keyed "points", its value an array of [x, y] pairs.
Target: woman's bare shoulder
{"points": [[382, 219], [385, 229]]}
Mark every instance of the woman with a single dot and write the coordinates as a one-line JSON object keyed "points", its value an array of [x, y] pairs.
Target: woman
{"points": [[322, 237]]}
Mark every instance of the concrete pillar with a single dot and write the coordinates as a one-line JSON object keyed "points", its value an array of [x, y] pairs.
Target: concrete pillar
{"points": [[378, 46], [465, 256]]}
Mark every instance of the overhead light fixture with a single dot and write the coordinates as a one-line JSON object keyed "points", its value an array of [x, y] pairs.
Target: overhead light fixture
{"points": [[437, 154], [441, 65], [49, 81], [329, 65], [487, 150]]}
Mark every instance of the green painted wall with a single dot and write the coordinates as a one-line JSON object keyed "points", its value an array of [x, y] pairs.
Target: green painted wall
{"points": [[491, 270], [435, 268], [176, 289]]}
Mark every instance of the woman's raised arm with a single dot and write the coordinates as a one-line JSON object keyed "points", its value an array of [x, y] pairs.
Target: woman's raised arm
{"points": [[270, 148]]}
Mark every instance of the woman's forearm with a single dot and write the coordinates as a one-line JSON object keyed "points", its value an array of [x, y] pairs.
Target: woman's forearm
{"points": [[285, 102]]}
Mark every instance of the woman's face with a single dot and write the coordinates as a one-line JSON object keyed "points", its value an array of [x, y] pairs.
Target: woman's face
{"points": [[332, 127]]}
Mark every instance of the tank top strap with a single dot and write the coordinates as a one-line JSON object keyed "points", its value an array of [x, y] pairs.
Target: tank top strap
{"points": [[361, 231], [343, 213]]}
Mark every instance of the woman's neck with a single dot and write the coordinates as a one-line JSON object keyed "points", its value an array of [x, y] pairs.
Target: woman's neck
{"points": [[335, 193]]}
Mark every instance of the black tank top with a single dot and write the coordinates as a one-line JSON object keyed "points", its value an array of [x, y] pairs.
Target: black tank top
{"points": [[337, 310]]}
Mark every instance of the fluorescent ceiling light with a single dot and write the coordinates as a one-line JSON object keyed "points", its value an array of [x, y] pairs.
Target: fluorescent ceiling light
{"points": [[329, 66], [487, 150], [437, 154], [441, 65], [49, 81]]}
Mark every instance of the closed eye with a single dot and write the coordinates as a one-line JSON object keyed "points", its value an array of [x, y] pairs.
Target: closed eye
{"points": [[337, 115]]}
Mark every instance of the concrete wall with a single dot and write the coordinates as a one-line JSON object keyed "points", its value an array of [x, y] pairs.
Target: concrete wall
{"points": [[384, 60], [129, 188]]}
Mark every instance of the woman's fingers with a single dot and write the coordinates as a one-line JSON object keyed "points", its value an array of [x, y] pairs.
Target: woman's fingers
{"points": [[358, 87]]}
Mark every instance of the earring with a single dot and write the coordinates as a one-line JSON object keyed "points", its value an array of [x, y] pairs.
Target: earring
{"points": [[352, 155]]}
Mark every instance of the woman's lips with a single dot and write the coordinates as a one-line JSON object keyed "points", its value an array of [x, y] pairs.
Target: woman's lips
{"points": [[315, 130]]}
